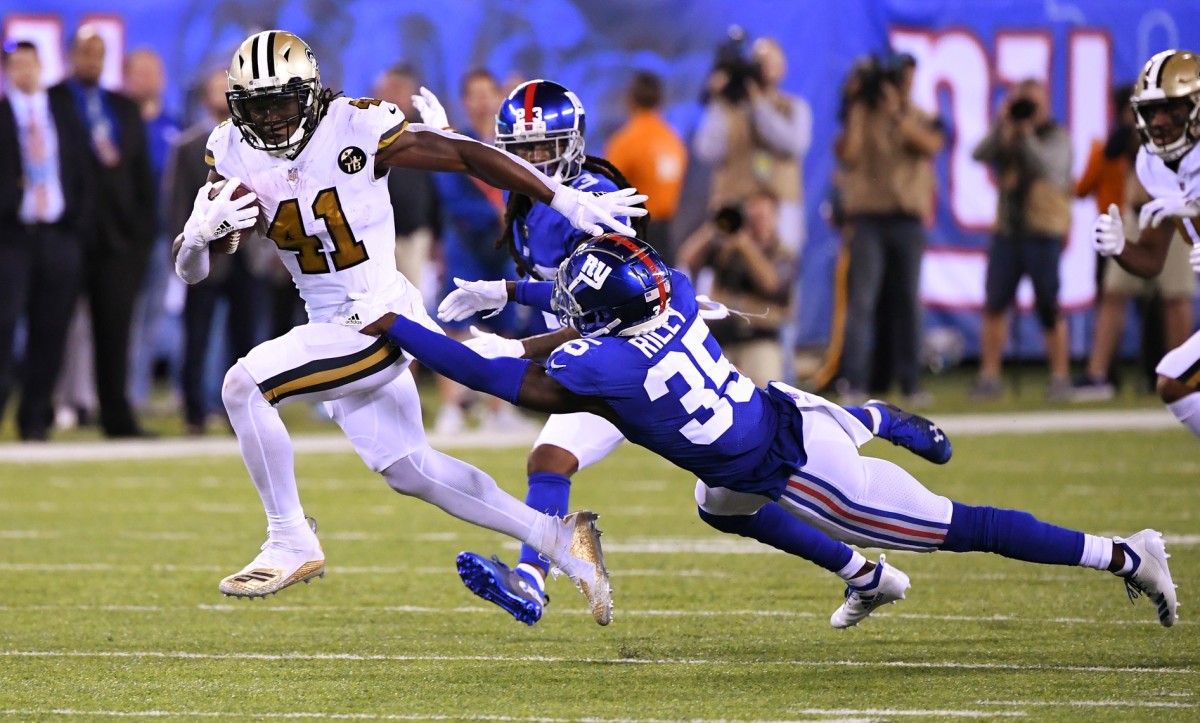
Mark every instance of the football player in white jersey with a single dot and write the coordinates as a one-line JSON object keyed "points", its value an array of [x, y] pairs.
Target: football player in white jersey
{"points": [[316, 166], [1166, 104]]}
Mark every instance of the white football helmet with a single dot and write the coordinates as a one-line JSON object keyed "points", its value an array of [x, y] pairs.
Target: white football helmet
{"points": [[275, 92]]}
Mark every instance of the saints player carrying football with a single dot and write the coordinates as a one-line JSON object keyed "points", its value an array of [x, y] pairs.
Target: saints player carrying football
{"points": [[1166, 104], [316, 166]]}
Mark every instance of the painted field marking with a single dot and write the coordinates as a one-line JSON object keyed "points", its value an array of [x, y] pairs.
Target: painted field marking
{"points": [[959, 425], [359, 657]]}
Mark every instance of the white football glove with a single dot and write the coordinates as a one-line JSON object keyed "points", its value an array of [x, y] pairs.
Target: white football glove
{"points": [[1194, 257], [491, 346], [213, 218], [472, 297], [358, 312], [431, 110], [1108, 233], [1156, 211], [587, 212]]}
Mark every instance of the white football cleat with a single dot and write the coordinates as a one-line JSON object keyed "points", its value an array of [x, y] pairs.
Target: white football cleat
{"points": [[1150, 575], [278, 566], [887, 586], [583, 562]]}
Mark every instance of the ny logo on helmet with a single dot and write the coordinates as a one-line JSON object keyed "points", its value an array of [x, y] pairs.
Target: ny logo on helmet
{"points": [[593, 273]]}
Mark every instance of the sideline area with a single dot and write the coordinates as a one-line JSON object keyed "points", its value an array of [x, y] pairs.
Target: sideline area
{"points": [[958, 425]]}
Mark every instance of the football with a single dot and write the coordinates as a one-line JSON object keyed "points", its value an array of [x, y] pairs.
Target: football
{"points": [[228, 243]]}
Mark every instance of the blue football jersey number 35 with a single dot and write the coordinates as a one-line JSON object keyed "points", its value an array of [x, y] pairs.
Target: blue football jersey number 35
{"points": [[694, 366]]}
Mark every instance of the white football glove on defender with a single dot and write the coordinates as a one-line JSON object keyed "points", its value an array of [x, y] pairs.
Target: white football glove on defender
{"points": [[1158, 210], [587, 212], [1108, 233], [491, 346], [472, 297], [431, 110], [213, 218]]}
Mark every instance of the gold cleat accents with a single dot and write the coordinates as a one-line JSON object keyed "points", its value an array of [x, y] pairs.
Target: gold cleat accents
{"points": [[585, 546], [264, 581]]}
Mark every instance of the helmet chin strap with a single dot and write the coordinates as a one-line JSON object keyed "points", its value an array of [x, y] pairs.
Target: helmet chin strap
{"points": [[647, 326]]}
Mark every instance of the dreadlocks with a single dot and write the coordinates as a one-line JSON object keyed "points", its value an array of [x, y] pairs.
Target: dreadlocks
{"points": [[519, 205]]}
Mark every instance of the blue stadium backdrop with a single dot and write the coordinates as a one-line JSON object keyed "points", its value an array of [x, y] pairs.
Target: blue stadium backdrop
{"points": [[967, 51]]}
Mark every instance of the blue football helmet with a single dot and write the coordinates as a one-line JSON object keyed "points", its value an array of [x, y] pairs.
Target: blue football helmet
{"points": [[612, 284], [543, 123]]}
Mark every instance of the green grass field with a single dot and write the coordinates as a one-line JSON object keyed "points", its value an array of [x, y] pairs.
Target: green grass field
{"points": [[109, 603]]}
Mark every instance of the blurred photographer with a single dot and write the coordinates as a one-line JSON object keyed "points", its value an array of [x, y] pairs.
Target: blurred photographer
{"points": [[754, 134], [752, 273], [886, 185], [1030, 155]]}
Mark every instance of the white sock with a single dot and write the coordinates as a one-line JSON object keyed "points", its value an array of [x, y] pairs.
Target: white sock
{"points": [[1187, 411], [471, 495], [851, 568], [1097, 552], [534, 572], [266, 449]]}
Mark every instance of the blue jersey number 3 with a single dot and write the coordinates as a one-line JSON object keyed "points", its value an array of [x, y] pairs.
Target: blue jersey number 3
{"points": [[694, 367]]}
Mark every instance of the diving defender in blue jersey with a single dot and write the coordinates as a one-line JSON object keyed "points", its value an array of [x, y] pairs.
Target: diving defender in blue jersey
{"points": [[776, 464]]}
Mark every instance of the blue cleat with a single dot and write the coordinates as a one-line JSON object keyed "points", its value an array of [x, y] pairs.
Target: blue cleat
{"points": [[495, 582], [912, 432]]}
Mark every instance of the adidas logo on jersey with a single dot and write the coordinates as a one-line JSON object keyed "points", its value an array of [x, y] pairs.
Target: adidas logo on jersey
{"points": [[593, 273], [353, 320]]}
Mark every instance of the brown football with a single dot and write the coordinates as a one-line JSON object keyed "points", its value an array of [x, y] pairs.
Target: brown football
{"points": [[228, 243]]}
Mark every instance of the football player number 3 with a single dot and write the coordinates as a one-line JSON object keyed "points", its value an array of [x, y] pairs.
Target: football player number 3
{"points": [[287, 231], [694, 367]]}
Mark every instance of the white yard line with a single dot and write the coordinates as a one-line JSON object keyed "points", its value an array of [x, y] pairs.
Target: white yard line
{"points": [[358, 657], [69, 712], [253, 607], [959, 425]]}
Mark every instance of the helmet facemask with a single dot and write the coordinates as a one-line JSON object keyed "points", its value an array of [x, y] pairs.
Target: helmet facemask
{"points": [[558, 154], [1173, 143], [276, 120]]}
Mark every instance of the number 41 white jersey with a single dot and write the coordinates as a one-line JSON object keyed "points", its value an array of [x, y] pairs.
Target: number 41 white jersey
{"points": [[325, 210]]}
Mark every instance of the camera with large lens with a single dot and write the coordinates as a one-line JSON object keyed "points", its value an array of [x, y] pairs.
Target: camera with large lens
{"points": [[1022, 109], [874, 72], [733, 59], [729, 219]]}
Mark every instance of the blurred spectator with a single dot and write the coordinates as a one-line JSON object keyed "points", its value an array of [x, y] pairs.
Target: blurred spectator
{"points": [[126, 221], [650, 154], [1030, 154], [414, 196], [752, 274], [1110, 177], [238, 279], [471, 220], [145, 80], [886, 185], [45, 212], [755, 134]]}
